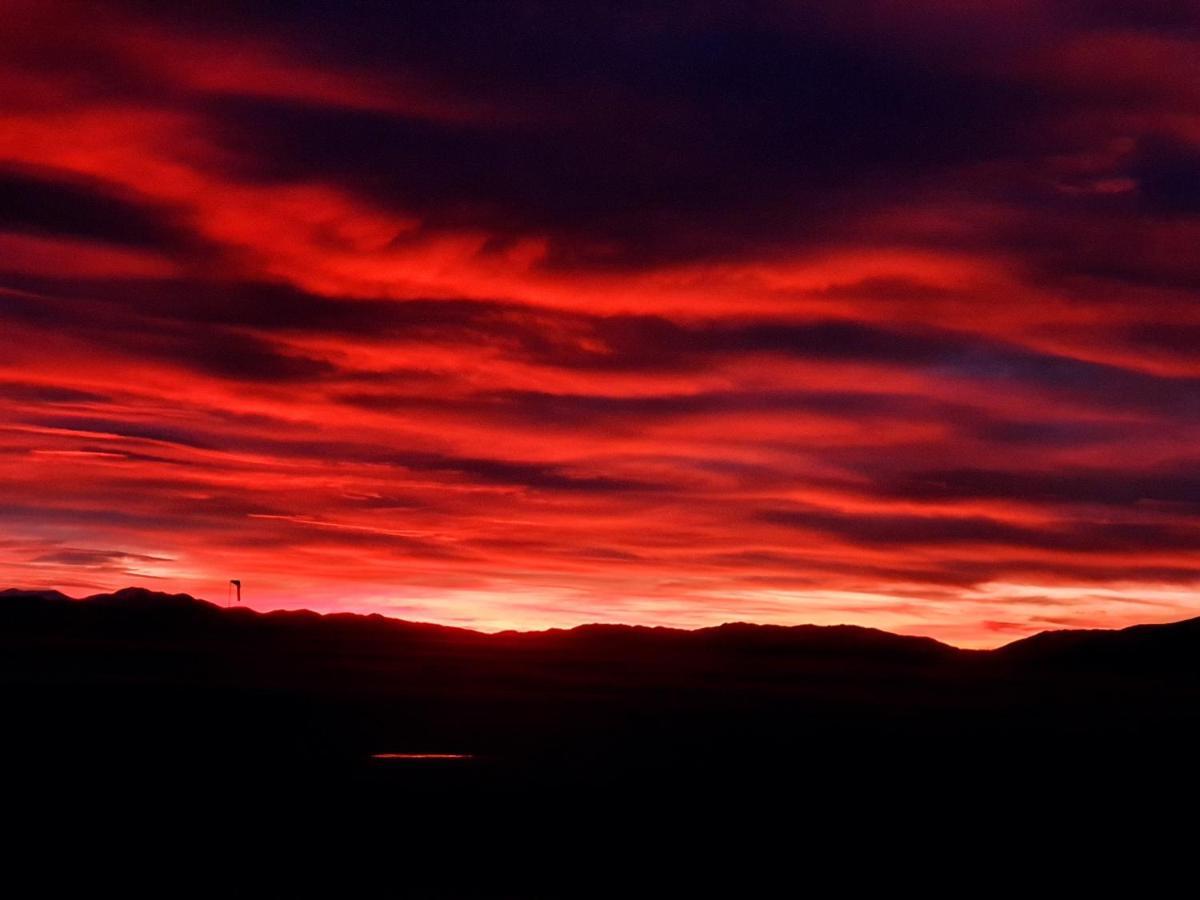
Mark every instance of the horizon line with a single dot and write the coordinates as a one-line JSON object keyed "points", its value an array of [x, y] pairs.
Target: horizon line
{"points": [[587, 624]]}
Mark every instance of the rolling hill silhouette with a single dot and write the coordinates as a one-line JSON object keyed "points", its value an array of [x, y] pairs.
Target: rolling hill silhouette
{"points": [[151, 671], [582, 741]]}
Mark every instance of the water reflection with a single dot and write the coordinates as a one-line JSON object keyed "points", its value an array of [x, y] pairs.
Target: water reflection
{"points": [[419, 756]]}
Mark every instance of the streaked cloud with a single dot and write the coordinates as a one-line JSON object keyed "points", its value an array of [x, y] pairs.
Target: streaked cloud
{"points": [[520, 315]]}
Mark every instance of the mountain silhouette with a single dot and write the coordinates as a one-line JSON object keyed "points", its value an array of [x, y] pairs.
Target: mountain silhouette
{"points": [[334, 689], [455, 742]]}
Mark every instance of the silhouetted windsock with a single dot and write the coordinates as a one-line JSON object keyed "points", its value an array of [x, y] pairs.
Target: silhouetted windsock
{"points": [[237, 584]]}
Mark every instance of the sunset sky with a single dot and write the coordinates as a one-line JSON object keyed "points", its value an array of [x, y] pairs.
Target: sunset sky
{"points": [[534, 314]]}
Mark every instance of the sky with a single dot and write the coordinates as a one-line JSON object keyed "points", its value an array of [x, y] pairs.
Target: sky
{"points": [[521, 315]]}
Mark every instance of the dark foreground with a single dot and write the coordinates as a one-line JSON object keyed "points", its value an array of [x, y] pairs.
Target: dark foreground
{"points": [[603, 760]]}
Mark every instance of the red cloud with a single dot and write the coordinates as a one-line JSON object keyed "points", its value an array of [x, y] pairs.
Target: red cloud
{"points": [[632, 326]]}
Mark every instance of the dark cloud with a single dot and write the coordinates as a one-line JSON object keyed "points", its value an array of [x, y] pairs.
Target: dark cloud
{"points": [[1167, 172], [666, 132], [1085, 537], [243, 314], [117, 320], [1113, 487], [19, 392], [632, 413], [1158, 15], [631, 140], [538, 476], [58, 204], [89, 558], [1182, 338], [243, 357], [270, 306], [653, 343], [131, 429], [239, 330], [480, 470], [1048, 434]]}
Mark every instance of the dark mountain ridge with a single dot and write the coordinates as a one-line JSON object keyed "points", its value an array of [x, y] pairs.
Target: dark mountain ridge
{"points": [[758, 637], [133, 673], [1159, 644], [591, 738]]}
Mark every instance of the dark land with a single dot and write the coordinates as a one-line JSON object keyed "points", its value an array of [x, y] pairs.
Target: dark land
{"points": [[592, 745]]}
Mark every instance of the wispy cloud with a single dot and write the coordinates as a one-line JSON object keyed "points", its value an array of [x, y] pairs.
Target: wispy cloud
{"points": [[541, 314]]}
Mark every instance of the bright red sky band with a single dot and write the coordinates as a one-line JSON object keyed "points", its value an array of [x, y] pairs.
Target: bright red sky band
{"points": [[517, 316]]}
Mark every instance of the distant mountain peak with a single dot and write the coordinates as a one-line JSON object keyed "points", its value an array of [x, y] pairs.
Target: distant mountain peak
{"points": [[23, 593], [144, 597]]}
